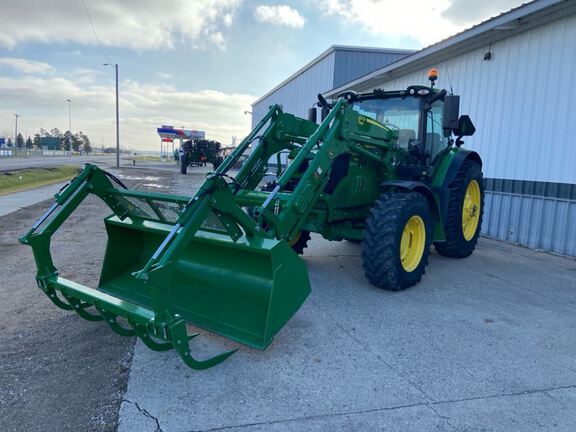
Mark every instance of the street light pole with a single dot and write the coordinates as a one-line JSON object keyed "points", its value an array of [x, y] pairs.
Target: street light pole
{"points": [[117, 121], [16, 132], [69, 125], [117, 116]]}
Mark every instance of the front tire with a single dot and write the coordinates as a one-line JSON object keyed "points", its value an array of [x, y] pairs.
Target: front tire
{"points": [[183, 163], [397, 240], [465, 211]]}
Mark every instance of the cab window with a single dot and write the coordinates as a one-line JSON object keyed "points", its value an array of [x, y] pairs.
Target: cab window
{"points": [[435, 140], [397, 113]]}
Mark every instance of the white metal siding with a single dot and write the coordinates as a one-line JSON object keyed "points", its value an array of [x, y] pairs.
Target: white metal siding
{"points": [[537, 222], [522, 103], [300, 93]]}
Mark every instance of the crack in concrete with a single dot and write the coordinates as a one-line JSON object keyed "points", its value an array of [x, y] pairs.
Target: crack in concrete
{"points": [[390, 408], [496, 396], [145, 413]]}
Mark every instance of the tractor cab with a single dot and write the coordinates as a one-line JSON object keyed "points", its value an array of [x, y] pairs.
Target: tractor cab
{"points": [[423, 117]]}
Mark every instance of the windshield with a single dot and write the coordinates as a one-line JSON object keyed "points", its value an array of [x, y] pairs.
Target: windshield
{"points": [[398, 113]]}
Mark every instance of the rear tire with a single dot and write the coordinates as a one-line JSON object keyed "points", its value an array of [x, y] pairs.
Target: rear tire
{"points": [[397, 240], [183, 163], [464, 217]]}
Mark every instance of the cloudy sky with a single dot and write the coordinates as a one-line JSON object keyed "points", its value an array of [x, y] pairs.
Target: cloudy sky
{"points": [[193, 63]]}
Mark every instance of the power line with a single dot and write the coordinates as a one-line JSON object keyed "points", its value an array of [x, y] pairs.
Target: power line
{"points": [[94, 31]]}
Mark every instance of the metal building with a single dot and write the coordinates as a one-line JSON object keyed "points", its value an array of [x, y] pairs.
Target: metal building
{"points": [[334, 67], [515, 75]]}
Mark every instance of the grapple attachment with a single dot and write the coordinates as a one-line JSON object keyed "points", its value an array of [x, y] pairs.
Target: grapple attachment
{"points": [[171, 260]]}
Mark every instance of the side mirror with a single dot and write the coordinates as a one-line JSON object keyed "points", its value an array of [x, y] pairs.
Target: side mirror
{"points": [[450, 114], [465, 127]]}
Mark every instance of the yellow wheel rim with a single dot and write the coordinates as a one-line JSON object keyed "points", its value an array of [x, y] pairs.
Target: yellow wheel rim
{"points": [[412, 243], [471, 210]]}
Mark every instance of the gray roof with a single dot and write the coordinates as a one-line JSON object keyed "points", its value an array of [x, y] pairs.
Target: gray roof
{"points": [[325, 54], [514, 21]]}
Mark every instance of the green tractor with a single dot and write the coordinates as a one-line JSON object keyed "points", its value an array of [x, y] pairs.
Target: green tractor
{"points": [[384, 168]]}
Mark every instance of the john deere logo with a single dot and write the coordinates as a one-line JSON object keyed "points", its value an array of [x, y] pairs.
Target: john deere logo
{"points": [[363, 120]]}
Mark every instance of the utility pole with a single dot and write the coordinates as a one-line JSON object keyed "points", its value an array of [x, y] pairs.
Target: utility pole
{"points": [[117, 117], [15, 144], [69, 125]]}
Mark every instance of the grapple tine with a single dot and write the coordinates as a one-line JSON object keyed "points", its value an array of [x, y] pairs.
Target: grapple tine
{"points": [[79, 307], [179, 338], [53, 296], [142, 333], [110, 318]]}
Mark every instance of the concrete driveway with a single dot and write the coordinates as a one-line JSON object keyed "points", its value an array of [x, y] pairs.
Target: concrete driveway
{"points": [[482, 344]]}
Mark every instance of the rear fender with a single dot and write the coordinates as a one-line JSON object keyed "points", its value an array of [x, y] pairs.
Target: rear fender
{"points": [[456, 164]]}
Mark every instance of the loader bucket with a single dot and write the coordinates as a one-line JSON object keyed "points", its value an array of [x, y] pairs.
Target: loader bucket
{"points": [[241, 290]]}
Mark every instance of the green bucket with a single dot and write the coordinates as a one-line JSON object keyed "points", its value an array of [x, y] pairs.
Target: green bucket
{"points": [[245, 290]]}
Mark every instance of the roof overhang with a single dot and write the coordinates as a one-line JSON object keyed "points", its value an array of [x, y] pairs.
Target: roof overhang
{"points": [[517, 20]]}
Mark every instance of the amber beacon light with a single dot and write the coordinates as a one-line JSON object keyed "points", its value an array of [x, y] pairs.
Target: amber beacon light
{"points": [[433, 75]]}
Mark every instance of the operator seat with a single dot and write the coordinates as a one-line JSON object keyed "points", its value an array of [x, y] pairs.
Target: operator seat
{"points": [[405, 137]]}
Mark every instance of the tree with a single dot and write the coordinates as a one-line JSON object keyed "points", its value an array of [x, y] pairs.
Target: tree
{"points": [[66, 142], [20, 141], [83, 142], [37, 141], [29, 143], [75, 139]]}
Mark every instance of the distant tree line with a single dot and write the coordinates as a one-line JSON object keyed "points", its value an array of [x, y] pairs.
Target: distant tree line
{"points": [[78, 142]]}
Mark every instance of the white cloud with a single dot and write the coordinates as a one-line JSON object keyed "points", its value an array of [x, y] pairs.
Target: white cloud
{"points": [[138, 24], [280, 15], [41, 100], [423, 21], [228, 20], [217, 39], [26, 66]]}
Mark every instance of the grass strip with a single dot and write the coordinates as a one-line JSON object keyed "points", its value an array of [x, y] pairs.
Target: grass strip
{"points": [[31, 178]]}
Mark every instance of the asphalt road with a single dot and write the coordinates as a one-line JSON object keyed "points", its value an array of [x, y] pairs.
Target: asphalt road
{"points": [[481, 344], [37, 162]]}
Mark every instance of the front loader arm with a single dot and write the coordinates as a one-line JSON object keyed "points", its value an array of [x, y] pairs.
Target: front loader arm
{"points": [[344, 130], [288, 218]]}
